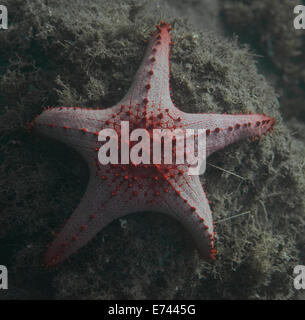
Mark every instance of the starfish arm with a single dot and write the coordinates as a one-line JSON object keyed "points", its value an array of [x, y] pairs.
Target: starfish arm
{"points": [[186, 201], [224, 129], [151, 83], [101, 204], [77, 127]]}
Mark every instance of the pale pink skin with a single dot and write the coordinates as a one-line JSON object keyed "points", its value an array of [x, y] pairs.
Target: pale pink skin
{"points": [[117, 190]]}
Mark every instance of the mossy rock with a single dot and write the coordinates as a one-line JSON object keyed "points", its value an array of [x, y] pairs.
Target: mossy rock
{"points": [[86, 54], [268, 27]]}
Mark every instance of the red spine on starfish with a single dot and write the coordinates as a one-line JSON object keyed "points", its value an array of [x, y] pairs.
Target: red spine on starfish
{"points": [[116, 190]]}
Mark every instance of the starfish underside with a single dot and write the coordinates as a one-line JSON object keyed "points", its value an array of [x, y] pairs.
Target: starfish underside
{"points": [[116, 190]]}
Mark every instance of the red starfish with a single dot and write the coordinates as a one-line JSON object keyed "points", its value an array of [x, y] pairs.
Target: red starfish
{"points": [[117, 190]]}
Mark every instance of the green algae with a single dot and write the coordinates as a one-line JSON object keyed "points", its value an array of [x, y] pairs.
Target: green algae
{"points": [[86, 55]]}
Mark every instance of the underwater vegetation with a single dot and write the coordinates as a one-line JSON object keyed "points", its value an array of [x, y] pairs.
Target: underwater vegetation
{"points": [[86, 54], [268, 27]]}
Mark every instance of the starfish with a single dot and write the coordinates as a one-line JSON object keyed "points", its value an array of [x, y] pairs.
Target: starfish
{"points": [[115, 190]]}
